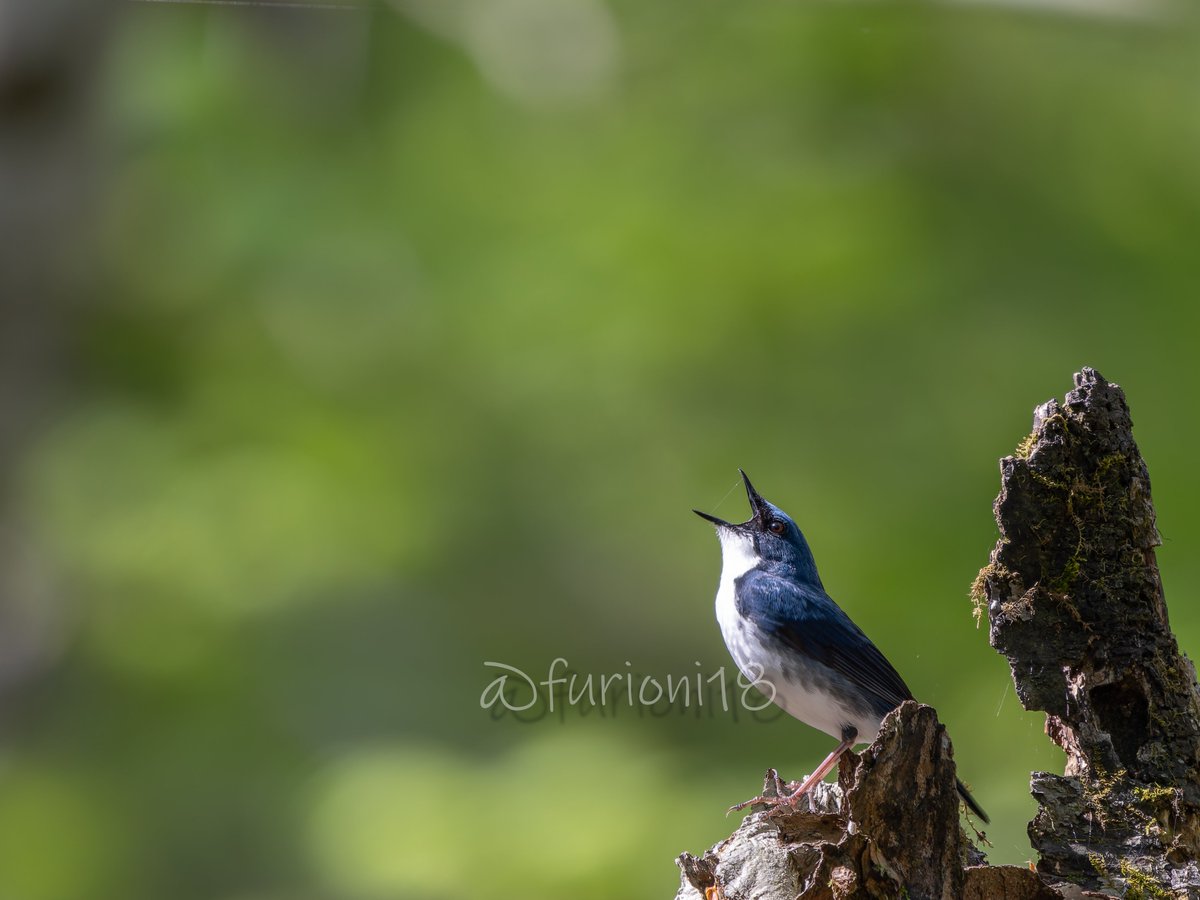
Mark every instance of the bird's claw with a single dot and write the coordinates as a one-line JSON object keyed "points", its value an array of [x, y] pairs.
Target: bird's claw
{"points": [[774, 805], [738, 807], [777, 795]]}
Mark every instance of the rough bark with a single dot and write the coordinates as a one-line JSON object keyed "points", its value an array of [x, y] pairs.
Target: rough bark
{"points": [[1076, 606], [861, 837]]}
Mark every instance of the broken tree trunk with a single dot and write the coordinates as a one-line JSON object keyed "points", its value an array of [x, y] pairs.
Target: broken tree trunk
{"points": [[1076, 606]]}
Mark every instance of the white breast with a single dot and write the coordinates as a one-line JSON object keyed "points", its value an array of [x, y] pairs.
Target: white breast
{"points": [[800, 692], [741, 636]]}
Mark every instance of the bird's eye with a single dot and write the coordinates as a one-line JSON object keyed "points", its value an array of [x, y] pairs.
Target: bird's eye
{"points": [[776, 527]]}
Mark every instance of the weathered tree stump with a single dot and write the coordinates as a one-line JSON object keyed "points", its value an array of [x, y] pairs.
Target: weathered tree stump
{"points": [[888, 829], [1075, 604]]}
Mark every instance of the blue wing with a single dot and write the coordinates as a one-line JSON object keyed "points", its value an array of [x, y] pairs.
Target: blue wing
{"points": [[807, 620]]}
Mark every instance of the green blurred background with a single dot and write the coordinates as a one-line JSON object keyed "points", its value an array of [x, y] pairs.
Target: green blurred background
{"points": [[404, 337]]}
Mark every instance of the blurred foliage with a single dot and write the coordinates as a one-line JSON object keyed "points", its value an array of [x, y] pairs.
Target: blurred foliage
{"points": [[414, 334]]}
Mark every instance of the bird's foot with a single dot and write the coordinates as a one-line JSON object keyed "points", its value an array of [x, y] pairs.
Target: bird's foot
{"points": [[785, 799], [753, 801], [777, 796], [782, 797], [775, 806]]}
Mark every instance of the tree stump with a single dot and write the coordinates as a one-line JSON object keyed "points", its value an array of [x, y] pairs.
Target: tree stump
{"points": [[1076, 606]]}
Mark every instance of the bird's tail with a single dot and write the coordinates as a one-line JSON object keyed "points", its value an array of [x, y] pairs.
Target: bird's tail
{"points": [[970, 801]]}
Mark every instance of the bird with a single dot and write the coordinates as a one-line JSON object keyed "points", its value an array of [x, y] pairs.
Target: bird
{"points": [[784, 630]]}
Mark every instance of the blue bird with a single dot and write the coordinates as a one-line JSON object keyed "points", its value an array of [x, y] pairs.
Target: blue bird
{"points": [[782, 628]]}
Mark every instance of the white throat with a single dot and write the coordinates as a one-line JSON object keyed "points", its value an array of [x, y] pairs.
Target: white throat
{"points": [[737, 554]]}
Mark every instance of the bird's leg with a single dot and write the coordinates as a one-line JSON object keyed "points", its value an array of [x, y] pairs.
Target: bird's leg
{"points": [[784, 799]]}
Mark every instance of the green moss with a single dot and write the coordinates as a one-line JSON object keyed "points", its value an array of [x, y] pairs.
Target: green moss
{"points": [[1096, 797], [979, 594], [1140, 886], [1097, 862], [992, 571], [1159, 800], [1026, 446], [1155, 794], [1070, 572], [1047, 482], [1089, 499]]}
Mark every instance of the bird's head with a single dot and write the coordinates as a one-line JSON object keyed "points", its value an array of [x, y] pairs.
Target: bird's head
{"points": [[768, 536]]}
